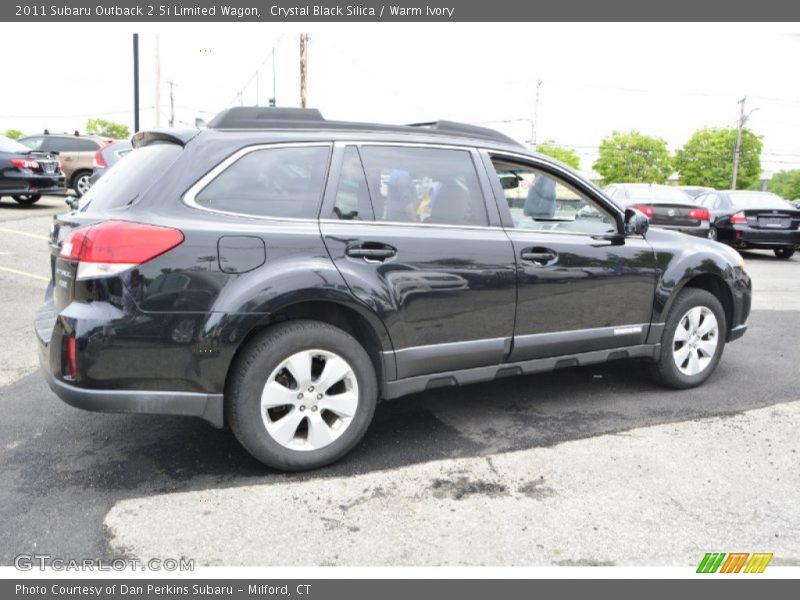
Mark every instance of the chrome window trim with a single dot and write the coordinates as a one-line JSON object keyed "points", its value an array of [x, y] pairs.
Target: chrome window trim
{"points": [[189, 197]]}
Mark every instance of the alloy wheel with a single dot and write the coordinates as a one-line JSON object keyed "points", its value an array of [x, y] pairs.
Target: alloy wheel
{"points": [[695, 341], [309, 400]]}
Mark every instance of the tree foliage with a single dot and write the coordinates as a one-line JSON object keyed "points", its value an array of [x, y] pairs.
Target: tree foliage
{"points": [[707, 158], [786, 184], [568, 156], [14, 134], [633, 157], [108, 129]]}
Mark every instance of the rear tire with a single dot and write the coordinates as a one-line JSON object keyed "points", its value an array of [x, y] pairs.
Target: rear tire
{"points": [[81, 182], [693, 340], [285, 410], [27, 199], [785, 252]]}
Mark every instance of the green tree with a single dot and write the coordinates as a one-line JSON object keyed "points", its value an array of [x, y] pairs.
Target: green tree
{"points": [[568, 156], [14, 134], [707, 158], [786, 184], [632, 157], [105, 128]]}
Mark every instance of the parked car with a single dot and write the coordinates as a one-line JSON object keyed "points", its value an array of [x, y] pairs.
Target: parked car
{"points": [[748, 219], [107, 156], [25, 175], [278, 273], [76, 153], [666, 206], [695, 190]]}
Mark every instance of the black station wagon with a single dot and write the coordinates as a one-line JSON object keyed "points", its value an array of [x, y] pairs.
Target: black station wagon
{"points": [[279, 273]]}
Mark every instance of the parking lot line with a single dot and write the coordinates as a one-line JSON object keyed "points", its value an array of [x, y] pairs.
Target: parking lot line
{"points": [[26, 274], [31, 235]]}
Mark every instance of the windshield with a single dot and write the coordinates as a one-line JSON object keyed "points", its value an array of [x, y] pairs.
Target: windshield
{"points": [[657, 193], [9, 145], [758, 200], [130, 177]]}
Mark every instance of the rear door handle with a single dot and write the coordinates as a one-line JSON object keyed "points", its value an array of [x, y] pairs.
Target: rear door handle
{"points": [[373, 252], [539, 256]]}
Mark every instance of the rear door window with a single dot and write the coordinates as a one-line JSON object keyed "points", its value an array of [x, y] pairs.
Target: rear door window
{"points": [[270, 182]]}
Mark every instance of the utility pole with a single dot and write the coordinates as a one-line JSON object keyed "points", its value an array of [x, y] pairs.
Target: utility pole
{"points": [[303, 69], [535, 126], [171, 104], [274, 100], [738, 147], [158, 84], [135, 82]]}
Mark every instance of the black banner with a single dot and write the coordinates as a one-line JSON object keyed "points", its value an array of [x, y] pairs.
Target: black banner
{"points": [[386, 589], [162, 11]]}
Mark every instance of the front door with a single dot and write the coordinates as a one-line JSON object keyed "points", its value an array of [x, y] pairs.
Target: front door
{"points": [[409, 230], [582, 286]]}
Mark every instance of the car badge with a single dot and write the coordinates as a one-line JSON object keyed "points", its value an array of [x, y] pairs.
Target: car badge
{"points": [[671, 212]]}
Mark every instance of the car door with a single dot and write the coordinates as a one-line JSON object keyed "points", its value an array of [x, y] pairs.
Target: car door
{"points": [[582, 286], [410, 231]]}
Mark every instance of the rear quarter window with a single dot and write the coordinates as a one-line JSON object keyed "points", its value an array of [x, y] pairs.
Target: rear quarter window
{"points": [[270, 182], [128, 179]]}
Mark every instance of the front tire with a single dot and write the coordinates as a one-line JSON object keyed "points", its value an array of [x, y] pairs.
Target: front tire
{"points": [[784, 252], [693, 340], [302, 395], [27, 199]]}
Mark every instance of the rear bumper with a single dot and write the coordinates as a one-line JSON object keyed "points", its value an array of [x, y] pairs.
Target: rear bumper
{"points": [[22, 183], [699, 231], [747, 237], [195, 404]]}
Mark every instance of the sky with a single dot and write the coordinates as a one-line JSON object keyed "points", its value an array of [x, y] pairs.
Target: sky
{"points": [[665, 80]]}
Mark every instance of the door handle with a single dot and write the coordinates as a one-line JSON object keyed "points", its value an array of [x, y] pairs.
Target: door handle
{"points": [[539, 256], [371, 251]]}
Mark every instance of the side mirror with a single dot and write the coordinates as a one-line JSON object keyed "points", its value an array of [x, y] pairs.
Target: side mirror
{"points": [[72, 202], [636, 223]]}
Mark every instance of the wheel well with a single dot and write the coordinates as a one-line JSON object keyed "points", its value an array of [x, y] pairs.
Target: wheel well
{"points": [[714, 284], [334, 314], [77, 174]]}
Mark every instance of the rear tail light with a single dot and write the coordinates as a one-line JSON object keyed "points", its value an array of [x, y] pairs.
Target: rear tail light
{"points": [[700, 214], [739, 218], [112, 247], [99, 162], [644, 209], [25, 163], [72, 357]]}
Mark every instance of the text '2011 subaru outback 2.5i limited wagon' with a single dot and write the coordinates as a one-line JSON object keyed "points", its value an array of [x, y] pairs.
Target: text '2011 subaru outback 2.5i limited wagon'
{"points": [[279, 273]]}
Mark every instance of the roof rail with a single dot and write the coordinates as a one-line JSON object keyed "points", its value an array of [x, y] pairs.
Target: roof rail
{"points": [[264, 117], [465, 129]]}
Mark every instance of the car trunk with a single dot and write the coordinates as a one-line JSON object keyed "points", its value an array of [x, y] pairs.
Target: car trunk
{"points": [[676, 215]]}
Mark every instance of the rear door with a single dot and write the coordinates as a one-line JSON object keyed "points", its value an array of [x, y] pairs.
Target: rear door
{"points": [[410, 232], [581, 285]]}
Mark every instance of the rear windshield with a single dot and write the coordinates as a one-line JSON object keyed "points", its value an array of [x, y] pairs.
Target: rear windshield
{"points": [[759, 200], [660, 194], [129, 178], [9, 145]]}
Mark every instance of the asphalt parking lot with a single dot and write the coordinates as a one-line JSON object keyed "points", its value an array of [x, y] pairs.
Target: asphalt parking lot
{"points": [[591, 466]]}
